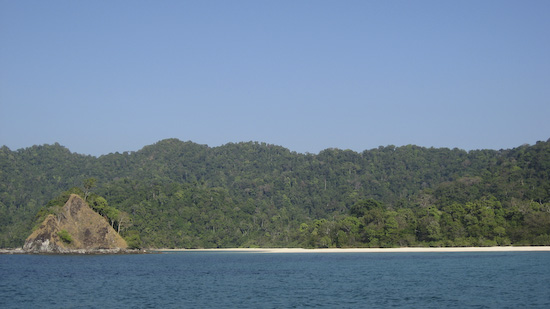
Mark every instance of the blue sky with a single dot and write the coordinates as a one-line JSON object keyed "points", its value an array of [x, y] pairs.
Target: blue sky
{"points": [[106, 76]]}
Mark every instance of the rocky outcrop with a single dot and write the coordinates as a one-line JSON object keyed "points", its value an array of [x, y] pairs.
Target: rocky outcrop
{"points": [[76, 228]]}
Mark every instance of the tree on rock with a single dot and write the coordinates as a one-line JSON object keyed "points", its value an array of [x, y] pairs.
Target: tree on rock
{"points": [[89, 184]]}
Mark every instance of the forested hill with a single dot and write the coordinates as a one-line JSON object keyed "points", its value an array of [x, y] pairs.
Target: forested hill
{"points": [[182, 194]]}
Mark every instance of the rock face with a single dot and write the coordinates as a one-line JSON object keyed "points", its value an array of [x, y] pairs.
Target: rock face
{"points": [[75, 229]]}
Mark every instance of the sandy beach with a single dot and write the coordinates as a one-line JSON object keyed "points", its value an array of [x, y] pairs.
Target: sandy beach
{"points": [[335, 250], [366, 250]]}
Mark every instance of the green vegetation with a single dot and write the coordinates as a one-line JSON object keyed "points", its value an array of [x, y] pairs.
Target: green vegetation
{"points": [[119, 220], [65, 236], [133, 240], [484, 222], [181, 194]]}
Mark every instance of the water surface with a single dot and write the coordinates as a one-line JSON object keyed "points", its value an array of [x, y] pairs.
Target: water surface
{"points": [[277, 280]]}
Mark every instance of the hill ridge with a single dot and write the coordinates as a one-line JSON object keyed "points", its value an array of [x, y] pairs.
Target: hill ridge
{"points": [[187, 194]]}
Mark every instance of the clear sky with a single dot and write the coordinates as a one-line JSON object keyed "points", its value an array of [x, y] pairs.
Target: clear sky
{"points": [[106, 76]]}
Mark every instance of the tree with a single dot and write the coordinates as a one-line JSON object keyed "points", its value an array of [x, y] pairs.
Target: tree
{"points": [[124, 221], [99, 204], [361, 208], [112, 215], [89, 184]]}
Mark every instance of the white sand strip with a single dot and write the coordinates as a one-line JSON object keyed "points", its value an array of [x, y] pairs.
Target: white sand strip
{"points": [[367, 250]]}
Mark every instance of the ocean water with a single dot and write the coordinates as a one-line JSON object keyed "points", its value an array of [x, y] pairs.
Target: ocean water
{"points": [[277, 280]]}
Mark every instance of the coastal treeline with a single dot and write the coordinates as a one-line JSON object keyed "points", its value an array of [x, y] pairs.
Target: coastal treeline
{"points": [[186, 195]]}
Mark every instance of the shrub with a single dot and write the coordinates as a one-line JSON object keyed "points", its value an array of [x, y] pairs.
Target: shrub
{"points": [[65, 236], [133, 240]]}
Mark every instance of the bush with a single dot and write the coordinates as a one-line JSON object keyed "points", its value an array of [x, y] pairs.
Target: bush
{"points": [[65, 236], [133, 240]]}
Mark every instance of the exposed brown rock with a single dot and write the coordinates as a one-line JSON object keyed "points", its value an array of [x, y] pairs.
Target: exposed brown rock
{"points": [[89, 231]]}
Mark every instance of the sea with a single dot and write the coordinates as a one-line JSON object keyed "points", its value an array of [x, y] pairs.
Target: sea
{"points": [[205, 279]]}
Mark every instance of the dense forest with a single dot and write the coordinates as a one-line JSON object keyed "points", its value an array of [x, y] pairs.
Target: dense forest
{"points": [[176, 194]]}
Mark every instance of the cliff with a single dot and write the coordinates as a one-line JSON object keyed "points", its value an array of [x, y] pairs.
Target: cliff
{"points": [[76, 228]]}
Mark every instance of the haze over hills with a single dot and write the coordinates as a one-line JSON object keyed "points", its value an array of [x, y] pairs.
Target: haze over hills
{"points": [[182, 194]]}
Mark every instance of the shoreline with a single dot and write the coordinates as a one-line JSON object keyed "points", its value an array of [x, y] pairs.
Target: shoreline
{"points": [[297, 250], [367, 250], [77, 251]]}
